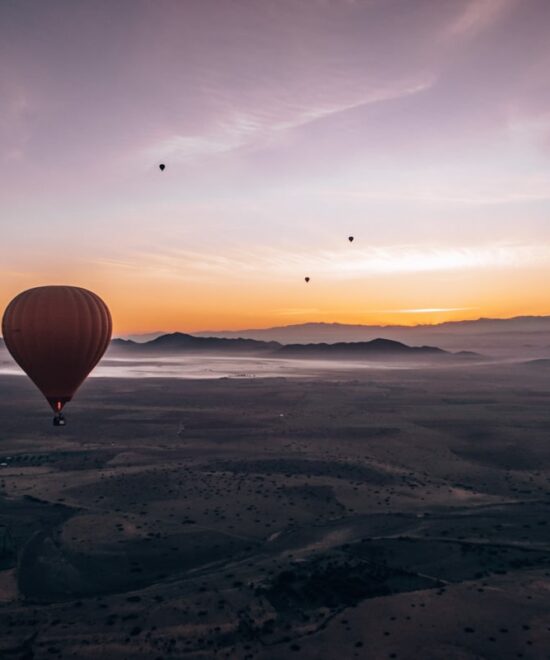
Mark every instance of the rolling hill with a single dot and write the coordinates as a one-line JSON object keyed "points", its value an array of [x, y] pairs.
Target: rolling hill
{"points": [[178, 343]]}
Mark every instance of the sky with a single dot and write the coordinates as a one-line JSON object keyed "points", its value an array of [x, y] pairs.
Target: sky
{"points": [[420, 127]]}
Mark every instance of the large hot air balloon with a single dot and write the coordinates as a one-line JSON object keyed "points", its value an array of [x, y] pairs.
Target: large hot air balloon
{"points": [[162, 166], [306, 279], [57, 335], [350, 239]]}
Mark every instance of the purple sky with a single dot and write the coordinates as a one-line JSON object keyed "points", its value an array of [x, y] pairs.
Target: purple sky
{"points": [[420, 127]]}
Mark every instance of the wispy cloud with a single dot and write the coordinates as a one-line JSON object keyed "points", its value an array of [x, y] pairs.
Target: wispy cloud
{"points": [[246, 128], [423, 310], [532, 187], [477, 15], [416, 259], [276, 263]]}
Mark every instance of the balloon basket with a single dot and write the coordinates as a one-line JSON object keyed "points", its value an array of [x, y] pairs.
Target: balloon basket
{"points": [[59, 420]]}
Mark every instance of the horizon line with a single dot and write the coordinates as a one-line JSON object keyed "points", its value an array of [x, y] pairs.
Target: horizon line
{"points": [[339, 323]]}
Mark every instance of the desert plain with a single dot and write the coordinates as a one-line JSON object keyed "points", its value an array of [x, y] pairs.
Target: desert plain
{"points": [[331, 513]]}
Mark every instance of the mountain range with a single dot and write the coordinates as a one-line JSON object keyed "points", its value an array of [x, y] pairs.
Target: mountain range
{"points": [[331, 332], [522, 336], [177, 342], [528, 336]]}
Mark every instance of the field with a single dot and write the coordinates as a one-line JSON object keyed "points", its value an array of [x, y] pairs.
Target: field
{"points": [[373, 513]]}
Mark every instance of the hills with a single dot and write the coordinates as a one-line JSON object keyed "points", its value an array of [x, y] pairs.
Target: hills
{"points": [[331, 332], [177, 343], [519, 336], [142, 337], [376, 347], [525, 337]]}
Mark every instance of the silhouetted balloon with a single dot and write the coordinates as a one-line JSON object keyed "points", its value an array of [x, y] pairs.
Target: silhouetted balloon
{"points": [[57, 335], [350, 239], [306, 279], [161, 167]]}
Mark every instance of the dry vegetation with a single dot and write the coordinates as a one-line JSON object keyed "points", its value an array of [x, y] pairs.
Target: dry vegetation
{"points": [[390, 514]]}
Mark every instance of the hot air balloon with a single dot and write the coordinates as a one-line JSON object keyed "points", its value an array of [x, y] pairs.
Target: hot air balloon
{"points": [[306, 279], [57, 335], [161, 167], [350, 239]]}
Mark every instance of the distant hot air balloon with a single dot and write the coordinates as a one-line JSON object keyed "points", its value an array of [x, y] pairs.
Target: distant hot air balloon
{"points": [[350, 239], [161, 167], [306, 279], [57, 335]]}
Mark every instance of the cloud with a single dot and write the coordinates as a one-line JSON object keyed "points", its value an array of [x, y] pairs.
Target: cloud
{"points": [[417, 259], [478, 15], [517, 192], [246, 128], [423, 310], [277, 264]]}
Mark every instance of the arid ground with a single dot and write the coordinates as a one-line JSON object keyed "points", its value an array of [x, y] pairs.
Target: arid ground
{"points": [[357, 514]]}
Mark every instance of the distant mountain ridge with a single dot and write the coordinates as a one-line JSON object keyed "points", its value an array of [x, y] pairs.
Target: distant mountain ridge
{"points": [[526, 336], [481, 325], [141, 337], [335, 331], [178, 342], [378, 346]]}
